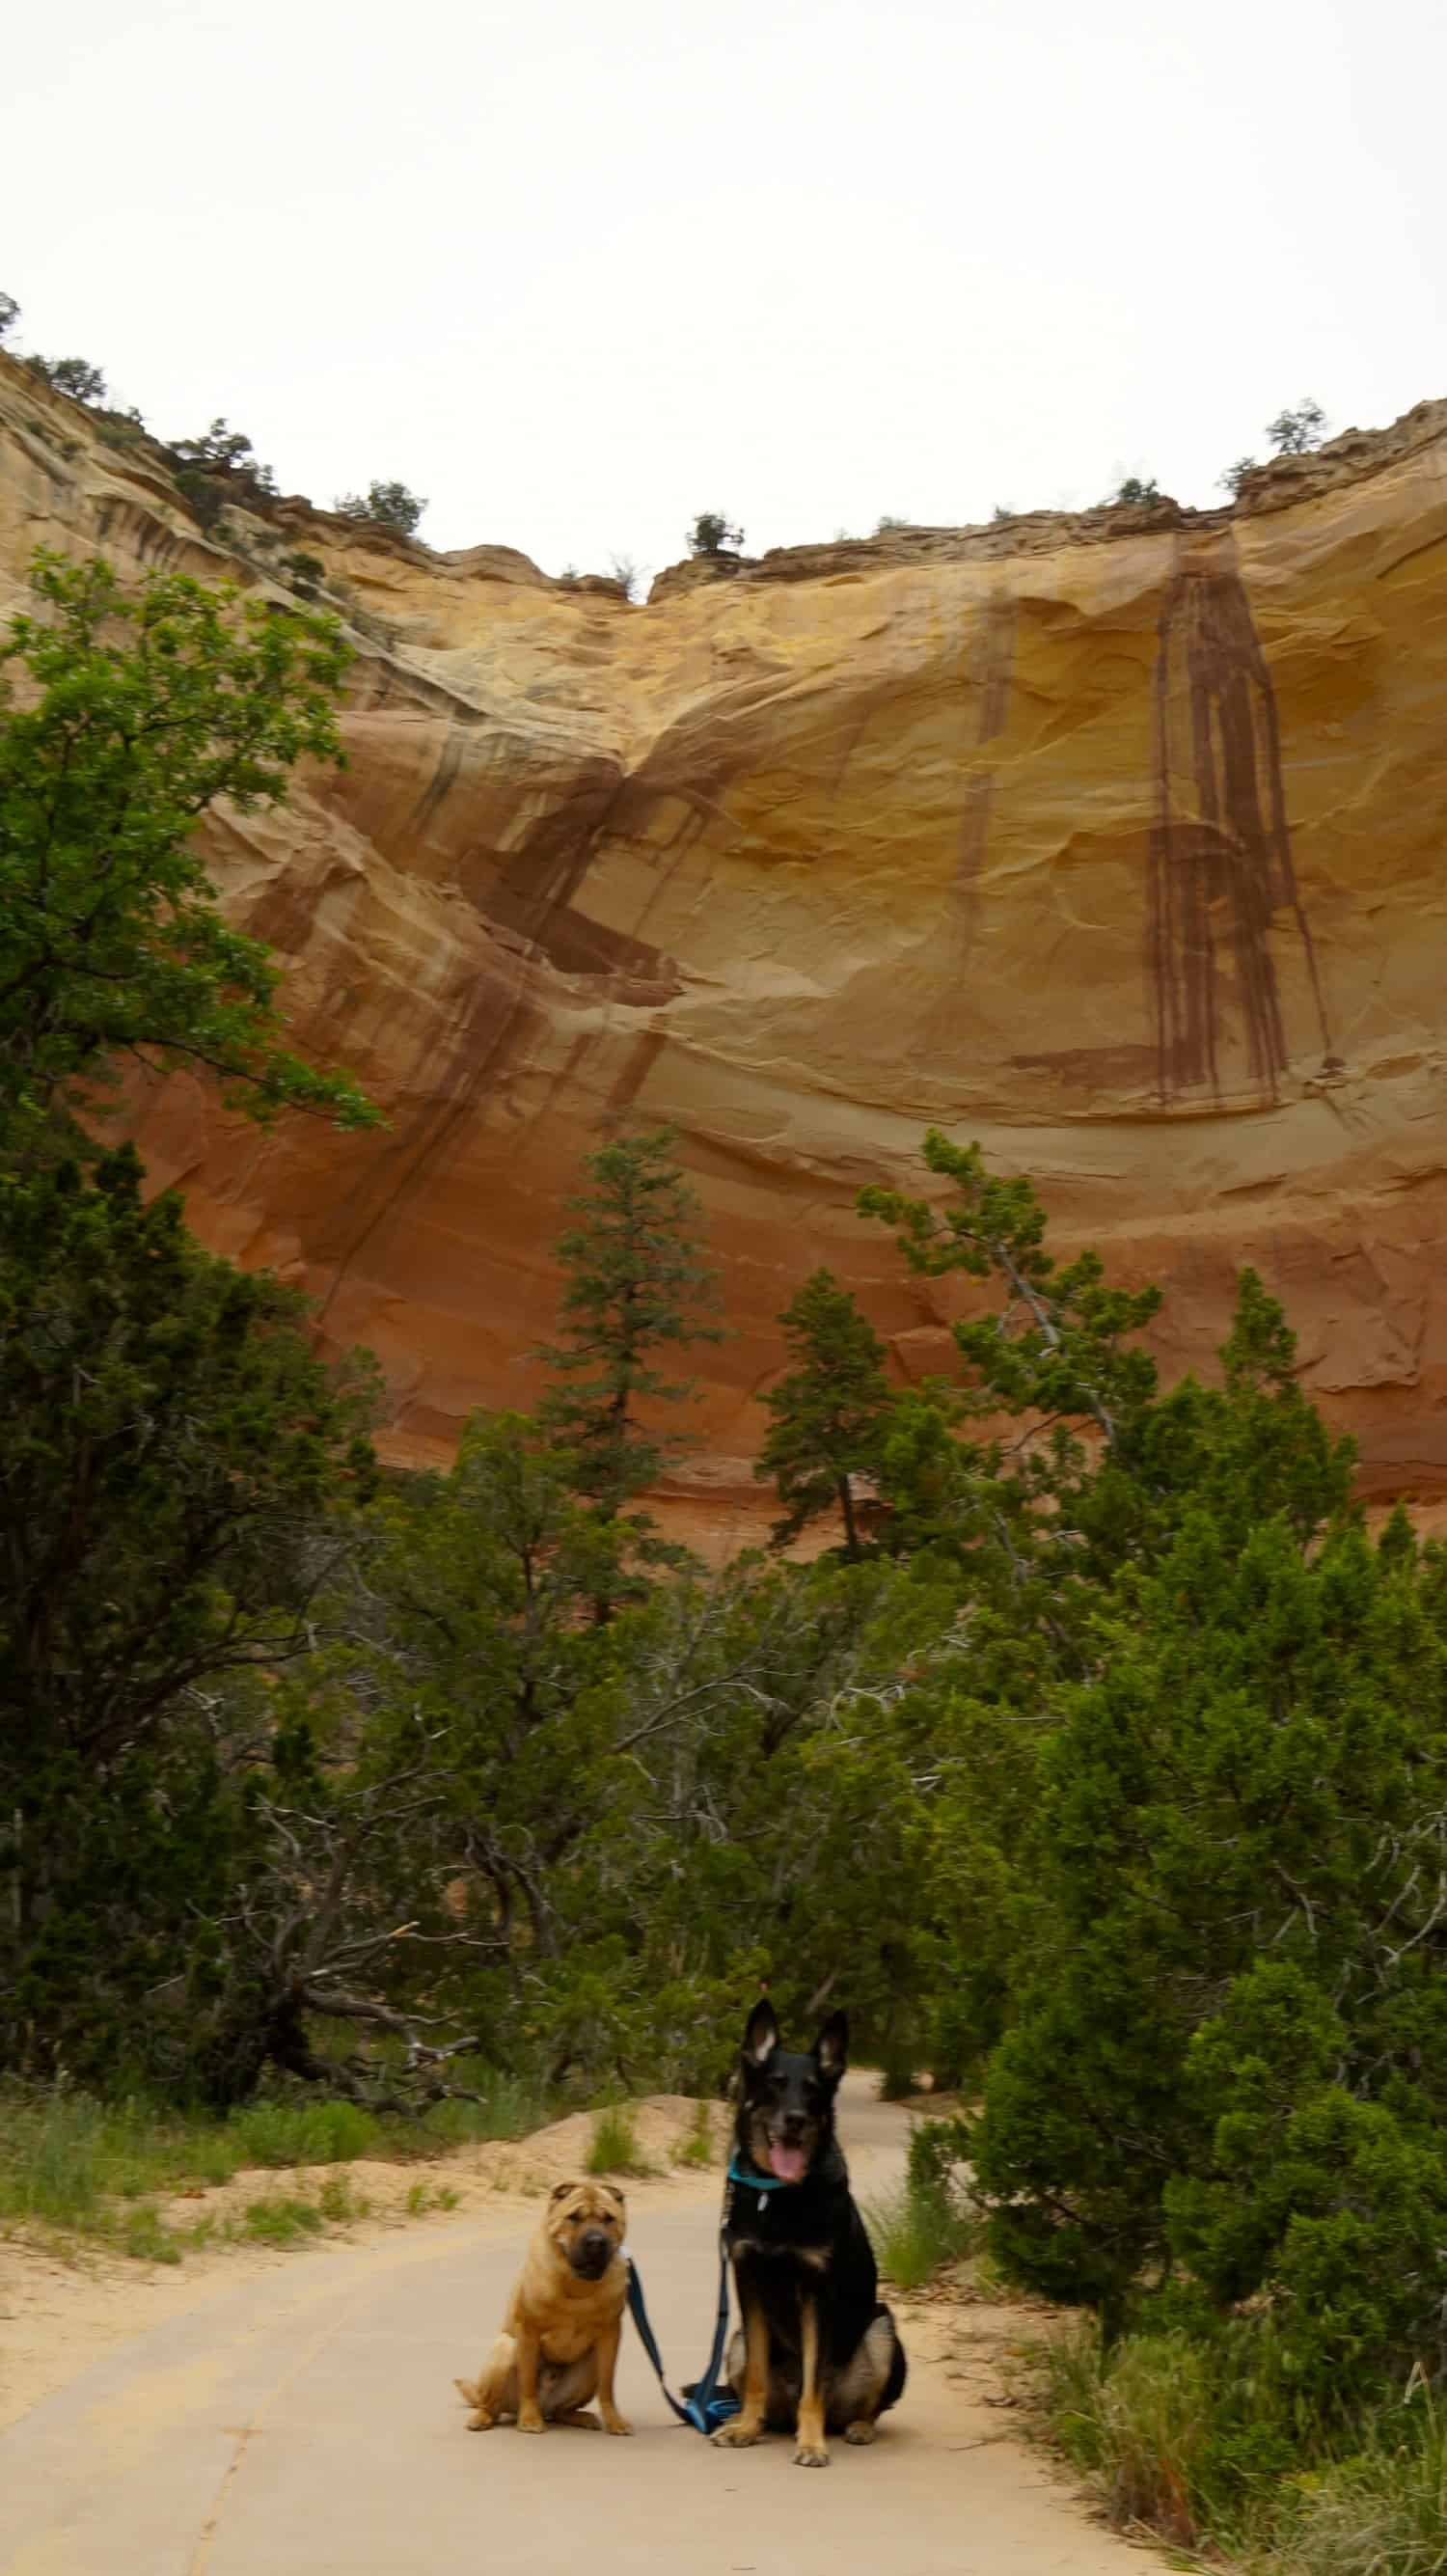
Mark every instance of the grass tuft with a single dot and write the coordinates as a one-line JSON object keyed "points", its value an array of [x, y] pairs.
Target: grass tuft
{"points": [[696, 2146], [304, 2133], [1384, 2509], [279, 2219], [1139, 2421], [614, 2147], [919, 2229]]}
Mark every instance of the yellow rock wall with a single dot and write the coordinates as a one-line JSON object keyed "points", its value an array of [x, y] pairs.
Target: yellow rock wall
{"points": [[1115, 841]]}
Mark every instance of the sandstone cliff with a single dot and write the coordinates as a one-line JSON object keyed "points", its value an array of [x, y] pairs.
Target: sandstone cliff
{"points": [[1116, 841]]}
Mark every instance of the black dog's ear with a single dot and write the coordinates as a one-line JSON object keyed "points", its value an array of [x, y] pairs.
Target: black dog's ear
{"points": [[761, 2037], [831, 2048]]}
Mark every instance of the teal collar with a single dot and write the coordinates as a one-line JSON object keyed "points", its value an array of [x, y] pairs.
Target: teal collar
{"points": [[757, 2181]]}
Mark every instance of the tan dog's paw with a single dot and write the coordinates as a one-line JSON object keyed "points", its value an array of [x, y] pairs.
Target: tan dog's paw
{"points": [[736, 2434], [530, 2421], [613, 2422], [811, 2455], [861, 2432]]}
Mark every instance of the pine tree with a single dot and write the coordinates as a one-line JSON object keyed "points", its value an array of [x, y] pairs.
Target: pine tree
{"points": [[830, 1412], [638, 1280]]}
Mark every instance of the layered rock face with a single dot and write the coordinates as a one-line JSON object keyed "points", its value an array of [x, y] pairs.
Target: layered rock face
{"points": [[1116, 842]]}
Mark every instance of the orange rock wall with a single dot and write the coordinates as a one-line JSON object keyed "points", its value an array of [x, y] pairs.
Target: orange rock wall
{"points": [[1118, 842]]}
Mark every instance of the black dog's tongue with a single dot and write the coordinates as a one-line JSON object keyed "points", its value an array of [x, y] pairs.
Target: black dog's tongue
{"points": [[787, 2164]]}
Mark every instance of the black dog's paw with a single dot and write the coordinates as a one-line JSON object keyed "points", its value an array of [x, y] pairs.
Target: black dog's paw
{"points": [[863, 2431]]}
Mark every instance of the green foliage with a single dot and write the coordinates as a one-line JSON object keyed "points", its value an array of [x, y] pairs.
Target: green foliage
{"points": [[638, 1282], [1198, 2435], [9, 315], [1381, 2506], [1134, 490], [385, 505], [307, 572], [225, 453], [613, 2147], [174, 1460], [304, 2133], [1296, 432], [73, 376], [711, 534], [697, 2148], [1056, 1351], [830, 1411], [920, 2230], [1235, 1961], [279, 2218], [1235, 475], [135, 715], [884, 527]]}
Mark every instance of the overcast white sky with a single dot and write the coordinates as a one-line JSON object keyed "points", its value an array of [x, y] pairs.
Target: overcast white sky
{"points": [[576, 272]]}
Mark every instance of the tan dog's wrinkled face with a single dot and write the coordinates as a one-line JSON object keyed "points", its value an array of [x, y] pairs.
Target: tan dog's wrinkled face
{"points": [[587, 2222]]}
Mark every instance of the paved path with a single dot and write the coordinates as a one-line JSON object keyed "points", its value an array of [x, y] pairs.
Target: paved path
{"points": [[306, 2426]]}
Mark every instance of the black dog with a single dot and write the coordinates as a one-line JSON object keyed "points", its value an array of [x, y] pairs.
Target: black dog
{"points": [[817, 2351]]}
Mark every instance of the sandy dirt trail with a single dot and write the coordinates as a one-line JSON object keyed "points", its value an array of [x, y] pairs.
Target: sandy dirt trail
{"points": [[304, 2424]]}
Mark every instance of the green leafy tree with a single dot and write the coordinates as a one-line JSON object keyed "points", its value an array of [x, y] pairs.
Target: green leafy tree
{"points": [[9, 314], [135, 715], [1235, 475], [73, 376], [221, 457], [1255, 1777], [638, 1283], [1135, 489], [1058, 1348], [1295, 432], [385, 505], [174, 1486], [830, 1412], [711, 534]]}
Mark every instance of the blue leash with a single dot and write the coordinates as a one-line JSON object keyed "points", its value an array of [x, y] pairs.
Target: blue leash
{"points": [[705, 2405]]}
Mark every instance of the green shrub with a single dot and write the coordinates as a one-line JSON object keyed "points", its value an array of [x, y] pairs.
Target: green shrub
{"points": [[279, 2219], [146, 2237], [919, 2229], [339, 2204], [1381, 2512], [614, 2148], [306, 2133], [384, 505], [697, 2147]]}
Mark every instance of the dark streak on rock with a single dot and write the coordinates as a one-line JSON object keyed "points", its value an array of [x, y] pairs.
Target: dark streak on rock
{"points": [[994, 675], [1221, 865]]}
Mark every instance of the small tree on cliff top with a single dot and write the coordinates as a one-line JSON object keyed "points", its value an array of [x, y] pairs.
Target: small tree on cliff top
{"points": [[638, 1280], [385, 505], [830, 1412], [1295, 432], [711, 534], [138, 714]]}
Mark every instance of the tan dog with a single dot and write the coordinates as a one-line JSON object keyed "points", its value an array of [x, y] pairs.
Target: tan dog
{"points": [[559, 2341]]}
